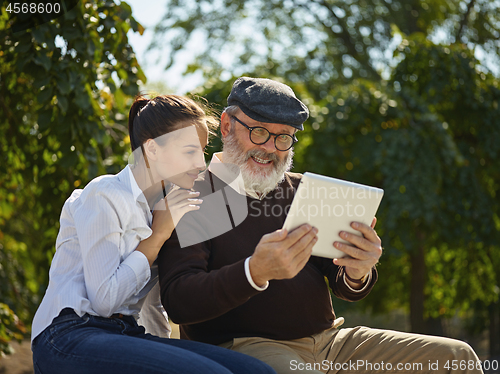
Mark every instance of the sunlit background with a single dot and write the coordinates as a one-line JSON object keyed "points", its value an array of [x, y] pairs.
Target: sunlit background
{"points": [[403, 95]]}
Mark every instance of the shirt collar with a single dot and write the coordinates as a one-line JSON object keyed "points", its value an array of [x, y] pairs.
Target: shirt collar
{"points": [[136, 191]]}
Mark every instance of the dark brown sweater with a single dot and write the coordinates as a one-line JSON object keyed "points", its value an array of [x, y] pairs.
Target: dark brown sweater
{"points": [[205, 290]]}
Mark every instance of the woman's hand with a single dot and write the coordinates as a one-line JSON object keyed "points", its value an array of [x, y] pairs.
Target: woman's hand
{"points": [[166, 215], [168, 211]]}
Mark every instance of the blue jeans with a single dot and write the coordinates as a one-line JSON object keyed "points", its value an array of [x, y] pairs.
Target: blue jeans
{"points": [[93, 345]]}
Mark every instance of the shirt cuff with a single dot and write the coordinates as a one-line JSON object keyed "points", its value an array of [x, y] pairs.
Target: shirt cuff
{"points": [[367, 282], [139, 264], [249, 277]]}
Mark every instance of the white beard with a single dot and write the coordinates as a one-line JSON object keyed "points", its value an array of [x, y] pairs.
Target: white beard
{"points": [[259, 181]]}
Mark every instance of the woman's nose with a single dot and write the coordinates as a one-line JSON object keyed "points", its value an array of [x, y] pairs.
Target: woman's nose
{"points": [[200, 162]]}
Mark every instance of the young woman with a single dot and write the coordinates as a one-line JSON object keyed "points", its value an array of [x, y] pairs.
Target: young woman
{"points": [[110, 234]]}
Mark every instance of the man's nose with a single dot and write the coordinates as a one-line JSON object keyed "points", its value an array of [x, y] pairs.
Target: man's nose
{"points": [[269, 146]]}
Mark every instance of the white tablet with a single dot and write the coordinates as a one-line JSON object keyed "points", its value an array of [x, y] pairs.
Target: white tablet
{"points": [[331, 205]]}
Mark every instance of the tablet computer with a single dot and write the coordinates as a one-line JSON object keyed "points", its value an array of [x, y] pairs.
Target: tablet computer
{"points": [[331, 205]]}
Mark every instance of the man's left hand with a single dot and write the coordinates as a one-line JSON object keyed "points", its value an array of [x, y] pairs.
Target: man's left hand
{"points": [[363, 252]]}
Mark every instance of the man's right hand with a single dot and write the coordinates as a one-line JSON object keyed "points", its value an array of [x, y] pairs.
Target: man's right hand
{"points": [[281, 255]]}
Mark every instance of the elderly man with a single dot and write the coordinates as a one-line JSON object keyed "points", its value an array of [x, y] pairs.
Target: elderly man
{"points": [[254, 287]]}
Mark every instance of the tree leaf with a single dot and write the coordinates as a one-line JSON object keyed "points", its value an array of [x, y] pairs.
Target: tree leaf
{"points": [[38, 34], [41, 82], [43, 60], [62, 102], [45, 95], [44, 119], [63, 85]]}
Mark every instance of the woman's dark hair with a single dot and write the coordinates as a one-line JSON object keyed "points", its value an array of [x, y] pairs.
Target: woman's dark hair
{"points": [[152, 118]]}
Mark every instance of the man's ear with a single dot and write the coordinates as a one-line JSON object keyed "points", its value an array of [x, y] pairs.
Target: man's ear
{"points": [[225, 124], [150, 149]]}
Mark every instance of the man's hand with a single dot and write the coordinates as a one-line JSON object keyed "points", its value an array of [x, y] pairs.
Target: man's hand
{"points": [[281, 255], [364, 252]]}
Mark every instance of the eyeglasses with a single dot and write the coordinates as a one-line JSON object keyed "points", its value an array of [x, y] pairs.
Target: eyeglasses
{"points": [[260, 135]]}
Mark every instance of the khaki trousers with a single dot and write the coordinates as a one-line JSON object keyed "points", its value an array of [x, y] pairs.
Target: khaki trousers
{"points": [[361, 350]]}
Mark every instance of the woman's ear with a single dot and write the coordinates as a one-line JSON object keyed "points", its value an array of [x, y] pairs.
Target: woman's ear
{"points": [[150, 149], [225, 124]]}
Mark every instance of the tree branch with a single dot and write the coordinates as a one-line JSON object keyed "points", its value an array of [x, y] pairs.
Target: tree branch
{"points": [[344, 35], [465, 19]]}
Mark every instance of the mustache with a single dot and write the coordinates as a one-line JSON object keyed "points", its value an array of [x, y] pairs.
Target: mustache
{"points": [[264, 155]]}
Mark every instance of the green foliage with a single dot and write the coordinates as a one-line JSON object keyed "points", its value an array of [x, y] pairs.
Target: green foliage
{"points": [[435, 187], [317, 42], [65, 90], [11, 327], [439, 190], [464, 100]]}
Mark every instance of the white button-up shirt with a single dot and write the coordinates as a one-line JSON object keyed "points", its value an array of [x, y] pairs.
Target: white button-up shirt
{"points": [[96, 269]]}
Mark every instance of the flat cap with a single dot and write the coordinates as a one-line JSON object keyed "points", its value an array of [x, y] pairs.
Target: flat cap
{"points": [[268, 101]]}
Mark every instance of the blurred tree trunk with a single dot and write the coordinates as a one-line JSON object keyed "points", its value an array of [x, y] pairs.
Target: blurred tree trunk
{"points": [[417, 284], [495, 329], [434, 326]]}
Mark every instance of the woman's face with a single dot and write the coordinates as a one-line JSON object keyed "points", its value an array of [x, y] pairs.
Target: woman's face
{"points": [[181, 157]]}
